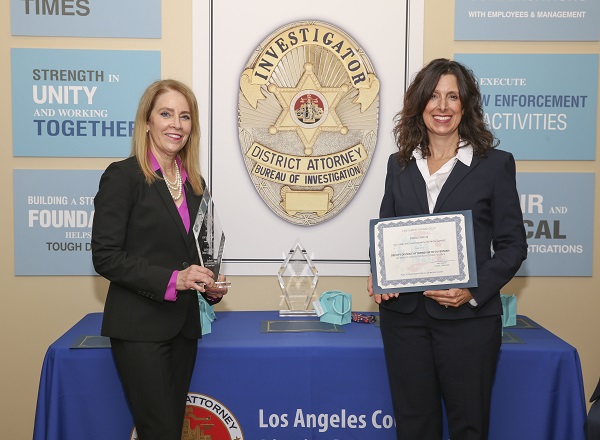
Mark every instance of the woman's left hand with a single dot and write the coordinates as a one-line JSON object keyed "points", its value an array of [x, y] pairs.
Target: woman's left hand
{"points": [[195, 277], [450, 298], [216, 292], [379, 297]]}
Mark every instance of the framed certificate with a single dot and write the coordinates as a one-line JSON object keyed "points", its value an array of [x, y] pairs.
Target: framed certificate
{"points": [[427, 252]]}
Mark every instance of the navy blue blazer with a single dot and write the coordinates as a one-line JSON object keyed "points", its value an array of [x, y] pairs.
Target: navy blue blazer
{"points": [[138, 240], [488, 188]]}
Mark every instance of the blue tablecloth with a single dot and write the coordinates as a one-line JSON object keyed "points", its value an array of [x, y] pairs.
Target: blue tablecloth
{"points": [[281, 386]]}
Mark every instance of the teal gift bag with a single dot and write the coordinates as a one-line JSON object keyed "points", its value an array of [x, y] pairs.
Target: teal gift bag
{"points": [[334, 307], [509, 310], [207, 315]]}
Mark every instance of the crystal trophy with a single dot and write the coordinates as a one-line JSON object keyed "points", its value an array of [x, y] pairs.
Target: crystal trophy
{"points": [[209, 236], [298, 278]]}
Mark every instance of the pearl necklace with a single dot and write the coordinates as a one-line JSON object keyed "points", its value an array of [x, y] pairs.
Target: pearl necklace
{"points": [[175, 188]]}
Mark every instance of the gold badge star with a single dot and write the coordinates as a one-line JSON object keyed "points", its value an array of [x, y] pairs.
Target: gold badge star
{"points": [[308, 109]]}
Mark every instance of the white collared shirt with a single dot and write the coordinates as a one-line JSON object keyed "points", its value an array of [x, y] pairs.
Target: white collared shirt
{"points": [[434, 182]]}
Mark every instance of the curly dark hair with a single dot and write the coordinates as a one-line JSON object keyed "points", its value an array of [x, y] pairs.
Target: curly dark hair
{"points": [[410, 131]]}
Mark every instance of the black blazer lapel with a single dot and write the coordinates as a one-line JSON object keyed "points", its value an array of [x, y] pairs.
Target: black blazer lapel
{"points": [[165, 195], [458, 173], [419, 186], [193, 202]]}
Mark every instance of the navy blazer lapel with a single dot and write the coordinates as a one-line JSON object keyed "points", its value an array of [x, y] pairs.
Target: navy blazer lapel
{"points": [[458, 173], [418, 183]]}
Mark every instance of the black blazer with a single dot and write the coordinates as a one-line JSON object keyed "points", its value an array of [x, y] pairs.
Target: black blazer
{"points": [[488, 189], [138, 240]]}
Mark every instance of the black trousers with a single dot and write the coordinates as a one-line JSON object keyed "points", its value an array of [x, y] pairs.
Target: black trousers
{"points": [[156, 378], [592, 422], [431, 359]]}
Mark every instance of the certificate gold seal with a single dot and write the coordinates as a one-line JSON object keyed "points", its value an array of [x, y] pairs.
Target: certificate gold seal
{"points": [[308, 111]]}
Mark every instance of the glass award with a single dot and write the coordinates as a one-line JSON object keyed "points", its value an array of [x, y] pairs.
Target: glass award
{"points": [[209, 236], [298, 278]]}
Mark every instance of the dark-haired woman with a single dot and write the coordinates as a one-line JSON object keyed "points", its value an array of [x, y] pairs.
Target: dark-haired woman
{"points": [[444, 344]]}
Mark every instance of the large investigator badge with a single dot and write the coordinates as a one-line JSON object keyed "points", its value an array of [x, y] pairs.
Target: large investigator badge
{"points": [[308, 113]]}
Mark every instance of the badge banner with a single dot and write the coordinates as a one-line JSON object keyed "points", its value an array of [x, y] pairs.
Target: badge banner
{"points": [[308, 110]]}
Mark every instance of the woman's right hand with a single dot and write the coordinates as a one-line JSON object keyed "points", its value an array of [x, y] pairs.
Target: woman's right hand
{"points": [[195, 277], [378, 297]]}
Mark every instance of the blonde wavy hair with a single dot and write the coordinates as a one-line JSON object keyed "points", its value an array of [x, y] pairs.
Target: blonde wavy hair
{"points": [[140, 142]]}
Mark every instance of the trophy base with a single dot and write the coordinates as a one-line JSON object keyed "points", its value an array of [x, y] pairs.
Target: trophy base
{"points": [[297, 313]]}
